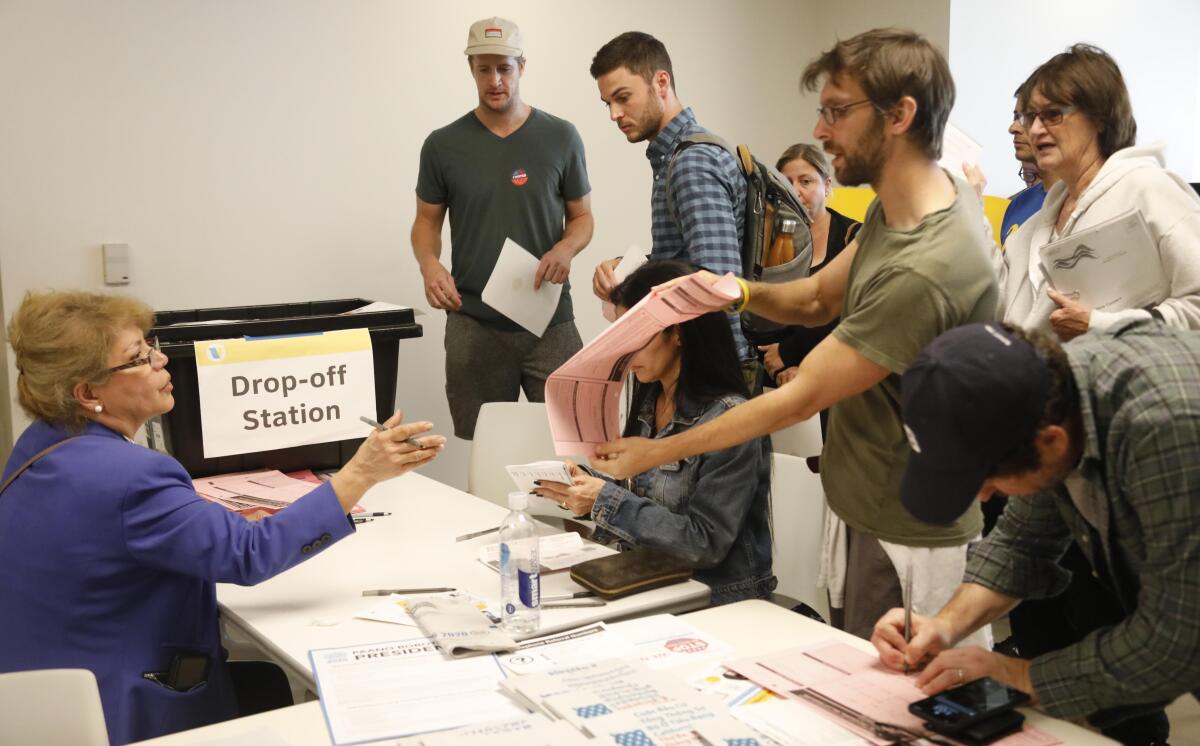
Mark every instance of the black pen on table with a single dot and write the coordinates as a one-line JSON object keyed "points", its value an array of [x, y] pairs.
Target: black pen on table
{"points": [[411, 441]]}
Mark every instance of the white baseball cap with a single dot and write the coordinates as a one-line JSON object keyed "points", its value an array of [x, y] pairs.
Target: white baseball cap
{"points": [[495, 36]]}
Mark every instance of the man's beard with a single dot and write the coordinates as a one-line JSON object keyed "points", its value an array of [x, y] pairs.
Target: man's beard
{"points": [[648, 126], [864, 166]]}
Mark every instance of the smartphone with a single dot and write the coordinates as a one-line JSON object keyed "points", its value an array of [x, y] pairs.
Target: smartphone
{"points": [[965, 705], [187, 672]]}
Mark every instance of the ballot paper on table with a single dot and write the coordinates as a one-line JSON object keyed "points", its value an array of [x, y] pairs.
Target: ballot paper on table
{"points": [[555, 552], [1110, 266], [395, 609], [510, 291], [402, 688], [248, 492], [583, 395], [958, 148], [837, 674], [635, 256], [532, 730]]}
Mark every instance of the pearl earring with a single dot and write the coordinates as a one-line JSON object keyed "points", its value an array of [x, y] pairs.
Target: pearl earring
{"points": [[99, 408]]}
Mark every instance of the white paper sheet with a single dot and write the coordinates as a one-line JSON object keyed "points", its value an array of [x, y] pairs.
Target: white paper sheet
{"points": [[394, 689], [510, 291], [555, 552], [958, 148], [524, 475]]}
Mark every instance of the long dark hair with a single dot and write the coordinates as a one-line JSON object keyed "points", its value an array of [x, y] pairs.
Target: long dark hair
{"points": [[708, 364]]}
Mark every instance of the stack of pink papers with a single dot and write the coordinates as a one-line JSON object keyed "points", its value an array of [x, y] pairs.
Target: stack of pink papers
{"points": [[251, 491]]}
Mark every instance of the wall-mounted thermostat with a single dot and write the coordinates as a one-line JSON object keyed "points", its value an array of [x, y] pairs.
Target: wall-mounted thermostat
{"points": [[116, 263]]}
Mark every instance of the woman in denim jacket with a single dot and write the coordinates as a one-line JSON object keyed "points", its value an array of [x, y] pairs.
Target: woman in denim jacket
{"points": [[713, 509]]}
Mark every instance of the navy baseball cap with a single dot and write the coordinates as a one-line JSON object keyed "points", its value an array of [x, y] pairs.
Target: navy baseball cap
{"points": [[969, 400]]}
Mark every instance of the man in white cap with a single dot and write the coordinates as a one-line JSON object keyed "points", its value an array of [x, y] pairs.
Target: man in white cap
{"points": [[503, 170]]}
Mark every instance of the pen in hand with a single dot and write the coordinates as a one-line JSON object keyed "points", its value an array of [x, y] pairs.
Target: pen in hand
{"points": [[411, 441], [908, 580]]}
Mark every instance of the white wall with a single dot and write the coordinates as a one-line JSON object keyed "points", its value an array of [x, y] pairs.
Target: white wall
{"points": [[266, 152], [995, 46]]}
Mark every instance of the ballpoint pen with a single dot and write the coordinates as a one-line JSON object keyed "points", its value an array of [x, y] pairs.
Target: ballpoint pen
{"points": [[568, 596], [576, 604], [908, 581], [476, 534], [411, 441], [371, 515], [357, 519], [405, 591]]}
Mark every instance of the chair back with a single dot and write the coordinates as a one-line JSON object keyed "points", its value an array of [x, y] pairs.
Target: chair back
{"points": [[506, 433], [51, 707], [798, 518]]}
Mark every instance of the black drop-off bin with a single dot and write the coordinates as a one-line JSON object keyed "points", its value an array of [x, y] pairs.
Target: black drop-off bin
{"points": [[178, 330]]}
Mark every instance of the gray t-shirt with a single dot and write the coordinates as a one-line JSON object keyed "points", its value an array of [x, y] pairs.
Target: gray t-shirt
{"points": [[502, 187], [905, 288]]}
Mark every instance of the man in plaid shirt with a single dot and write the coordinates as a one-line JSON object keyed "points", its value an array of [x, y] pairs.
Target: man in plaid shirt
{"points": [[701, 221], [1096, 442]]}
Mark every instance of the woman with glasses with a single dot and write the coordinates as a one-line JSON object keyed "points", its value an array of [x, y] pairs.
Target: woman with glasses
{"points": [[1081, 128], [806, 167], [110, 556]]}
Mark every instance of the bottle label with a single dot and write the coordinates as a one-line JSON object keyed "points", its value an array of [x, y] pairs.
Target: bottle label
{"points": [[530, 585]]}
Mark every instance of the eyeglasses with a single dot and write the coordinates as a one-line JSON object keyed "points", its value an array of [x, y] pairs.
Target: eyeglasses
{"points": [[154, 357], [831, 114], [1028, 175], [1050, 116]]}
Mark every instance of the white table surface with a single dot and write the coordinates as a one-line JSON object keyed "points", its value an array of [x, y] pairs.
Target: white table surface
{"points": [[751, 627], [313, 605]]}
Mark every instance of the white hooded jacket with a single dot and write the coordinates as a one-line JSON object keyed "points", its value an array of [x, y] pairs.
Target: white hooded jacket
{"points": [[1132, 177]]}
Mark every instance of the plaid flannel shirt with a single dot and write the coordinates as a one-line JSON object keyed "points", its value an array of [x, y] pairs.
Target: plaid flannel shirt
{"points": [[1135, 512], [708, 192]]}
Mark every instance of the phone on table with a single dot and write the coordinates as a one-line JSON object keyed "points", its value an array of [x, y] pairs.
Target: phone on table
{"points": [[957, 709]]}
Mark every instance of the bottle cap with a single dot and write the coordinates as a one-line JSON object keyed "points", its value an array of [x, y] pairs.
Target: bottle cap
{"points": [[518, 500], [789, 225]]}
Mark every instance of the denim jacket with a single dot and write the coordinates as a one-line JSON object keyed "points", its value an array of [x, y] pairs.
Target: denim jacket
{"points": [[712, 510]]}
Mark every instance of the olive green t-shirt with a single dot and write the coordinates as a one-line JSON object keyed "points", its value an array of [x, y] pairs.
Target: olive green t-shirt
{"points": [[904, 289], [502, 187]]}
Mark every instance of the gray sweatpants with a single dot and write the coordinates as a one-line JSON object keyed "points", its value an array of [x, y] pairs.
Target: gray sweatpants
{"points": [[486, 364]]}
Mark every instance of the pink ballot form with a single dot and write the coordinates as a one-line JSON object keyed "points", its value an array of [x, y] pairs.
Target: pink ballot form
{"points": [[583, 396]]}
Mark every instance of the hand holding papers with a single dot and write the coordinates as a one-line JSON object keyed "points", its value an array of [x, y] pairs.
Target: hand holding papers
{"points": [[634, 257], [510, 291], [1111, 266], [583, 395]]}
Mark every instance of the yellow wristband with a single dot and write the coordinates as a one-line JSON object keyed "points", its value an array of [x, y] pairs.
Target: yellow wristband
{"points": [[745, 300]]}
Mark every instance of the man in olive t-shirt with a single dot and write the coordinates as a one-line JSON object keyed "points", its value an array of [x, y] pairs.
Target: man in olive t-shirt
{"points": [[918, 267], [503, 171]]}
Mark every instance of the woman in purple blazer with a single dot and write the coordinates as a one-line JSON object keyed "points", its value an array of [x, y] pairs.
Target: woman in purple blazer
{"points": [[110, 557]]}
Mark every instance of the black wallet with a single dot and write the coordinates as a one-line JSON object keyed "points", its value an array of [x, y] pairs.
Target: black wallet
{"points": [[634, 571]]}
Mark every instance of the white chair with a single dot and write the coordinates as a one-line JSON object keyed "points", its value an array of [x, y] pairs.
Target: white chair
{"points": [[802, 439], [506, 433], [798, 515], [53, 707]]}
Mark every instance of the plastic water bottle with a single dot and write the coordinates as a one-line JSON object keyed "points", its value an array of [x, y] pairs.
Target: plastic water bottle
{"points": [[520, 580]]}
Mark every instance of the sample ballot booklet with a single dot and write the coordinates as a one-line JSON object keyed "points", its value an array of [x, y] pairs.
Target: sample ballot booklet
{"points": [[1110, 266]]}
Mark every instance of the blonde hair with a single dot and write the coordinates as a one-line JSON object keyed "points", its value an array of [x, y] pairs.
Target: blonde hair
{"points": [[61, 338]]}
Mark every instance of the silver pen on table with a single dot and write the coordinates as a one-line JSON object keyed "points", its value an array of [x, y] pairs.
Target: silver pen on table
{"points": [[477, 534], [908, 581], [411, 441], [578, 603], [405, 591]]}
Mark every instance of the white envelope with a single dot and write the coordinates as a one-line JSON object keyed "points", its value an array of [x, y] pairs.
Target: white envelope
{"points": [[510, 289]]}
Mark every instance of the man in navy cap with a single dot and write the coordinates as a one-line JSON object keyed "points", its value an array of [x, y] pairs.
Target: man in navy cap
{"points": [[1096, 442]]}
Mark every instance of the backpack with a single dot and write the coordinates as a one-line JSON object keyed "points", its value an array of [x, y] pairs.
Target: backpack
{"points": [[770, 200]]}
